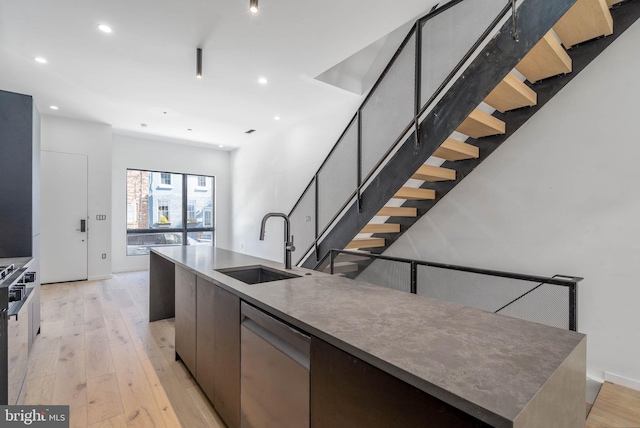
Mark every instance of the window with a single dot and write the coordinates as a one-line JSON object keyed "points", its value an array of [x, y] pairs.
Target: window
{"points": [[163, 206], [163, 212], [191, 212], [208, 218]]}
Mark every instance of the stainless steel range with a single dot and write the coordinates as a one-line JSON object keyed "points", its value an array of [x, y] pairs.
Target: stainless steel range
{"points": [[14, 329]]}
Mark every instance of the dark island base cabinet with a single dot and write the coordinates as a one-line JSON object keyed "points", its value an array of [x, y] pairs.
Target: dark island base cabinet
{"points": [[226, 363], [346, 392], [208, 340], [185, 302]]}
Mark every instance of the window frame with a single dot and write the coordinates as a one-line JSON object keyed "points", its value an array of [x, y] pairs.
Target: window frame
{"points": [[184, 229]]}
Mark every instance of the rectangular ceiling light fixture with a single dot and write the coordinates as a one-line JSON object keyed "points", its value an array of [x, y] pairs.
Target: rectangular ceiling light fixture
{"points": [[199, 63]]}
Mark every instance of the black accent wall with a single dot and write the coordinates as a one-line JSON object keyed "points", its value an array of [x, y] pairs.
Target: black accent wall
{"points": [[16, 162]]}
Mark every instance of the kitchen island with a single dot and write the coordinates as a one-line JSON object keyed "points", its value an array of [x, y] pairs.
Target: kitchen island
{"points": [[485, 369]]}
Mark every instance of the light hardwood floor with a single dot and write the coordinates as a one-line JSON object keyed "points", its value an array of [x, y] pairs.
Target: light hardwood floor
{"points": [[98, 353], [615, 407]]}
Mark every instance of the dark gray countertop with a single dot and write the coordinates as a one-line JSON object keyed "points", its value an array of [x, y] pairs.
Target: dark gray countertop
{"points": [[490, 366]]}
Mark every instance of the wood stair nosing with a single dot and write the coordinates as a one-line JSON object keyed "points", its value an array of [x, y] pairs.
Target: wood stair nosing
{"points": [[366, 243], [511, 94], [415, 194], [381, 228], [397, 212], [546, 59], [343, 258], [481, 124], [586, 20], [433, 174], [454, 150]]}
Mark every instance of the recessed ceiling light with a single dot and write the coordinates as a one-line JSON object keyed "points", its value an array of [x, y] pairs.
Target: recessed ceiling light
{"points": [[276, 118], [220, 145], [105, 28], [251, 131], [40, 60], [189, 129], [263, 81], [253, 6], [144, 125], [53, 107]]}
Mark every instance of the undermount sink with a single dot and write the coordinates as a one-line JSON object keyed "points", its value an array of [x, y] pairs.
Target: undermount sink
{"points": [[256, 274]]}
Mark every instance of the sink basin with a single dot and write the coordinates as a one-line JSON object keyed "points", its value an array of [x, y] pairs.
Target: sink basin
{"points": [[256, 274]]}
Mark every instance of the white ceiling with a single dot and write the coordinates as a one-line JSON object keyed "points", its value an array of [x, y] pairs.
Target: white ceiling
{"points": [[146, 67]]}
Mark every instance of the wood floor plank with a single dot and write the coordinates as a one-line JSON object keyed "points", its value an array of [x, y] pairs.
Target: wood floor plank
{"points": [[70, 382], [103, 398], [117, 332], [137, 397], [98, 355], [117, 422], [162, 400], [78, 417], [40, 390]]}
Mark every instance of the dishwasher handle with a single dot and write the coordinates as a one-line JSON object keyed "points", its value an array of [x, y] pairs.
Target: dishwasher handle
{"points": [[291, 342]]}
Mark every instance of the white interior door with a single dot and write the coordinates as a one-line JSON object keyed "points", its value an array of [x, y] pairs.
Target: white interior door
{"points": [[64, 217]]}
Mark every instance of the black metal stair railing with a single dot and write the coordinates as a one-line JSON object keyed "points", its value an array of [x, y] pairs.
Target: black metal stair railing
{"points": [[552, 301], [444, 68]]}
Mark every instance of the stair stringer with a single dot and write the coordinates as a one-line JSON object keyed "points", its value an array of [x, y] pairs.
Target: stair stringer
{"points": [[495, 61], [624, 14]]}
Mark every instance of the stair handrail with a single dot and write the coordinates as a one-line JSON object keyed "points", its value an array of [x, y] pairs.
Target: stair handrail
{"points": [[569, 281], [414, 123]]}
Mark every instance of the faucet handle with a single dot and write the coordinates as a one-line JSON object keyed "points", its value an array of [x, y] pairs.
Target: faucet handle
{"points": [[290, 245]]}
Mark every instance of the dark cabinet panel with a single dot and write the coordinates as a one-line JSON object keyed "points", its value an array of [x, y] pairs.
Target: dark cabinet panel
{"points": [[346, 392], [205, 336], [226, 364], [162, 284], [186, 318]]}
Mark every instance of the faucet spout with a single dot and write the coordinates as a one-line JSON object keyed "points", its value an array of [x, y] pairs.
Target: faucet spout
{"points": [[288, 239]]}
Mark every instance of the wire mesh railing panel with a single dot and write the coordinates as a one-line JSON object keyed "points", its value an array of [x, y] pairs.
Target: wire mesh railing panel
{"points": [[338, 179], [547, 304], [389, 274], [444, 44], [485, 292], [303, 223], [389, 109]]}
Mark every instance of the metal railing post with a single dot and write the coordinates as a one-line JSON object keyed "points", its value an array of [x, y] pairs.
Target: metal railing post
{"points": [[414, 278]]}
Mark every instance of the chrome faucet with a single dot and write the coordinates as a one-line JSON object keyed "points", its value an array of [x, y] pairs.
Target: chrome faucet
{"points": [[288, 239]]}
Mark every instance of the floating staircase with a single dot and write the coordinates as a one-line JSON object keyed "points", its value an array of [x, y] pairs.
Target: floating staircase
{"points": [[576, 39]]}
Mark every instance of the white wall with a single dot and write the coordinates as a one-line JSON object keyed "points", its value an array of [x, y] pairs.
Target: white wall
{"points": [[560, 197], [271, 175], [138, 153], [94, 141]]}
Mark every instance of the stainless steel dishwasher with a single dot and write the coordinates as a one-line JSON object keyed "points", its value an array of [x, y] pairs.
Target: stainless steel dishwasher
{"points": [[274, 372]]}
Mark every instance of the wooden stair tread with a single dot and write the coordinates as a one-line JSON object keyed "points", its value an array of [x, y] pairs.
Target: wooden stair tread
{"points": [[586, 20], [547, 59], [381, 228], [510, 94], [480, 124], [432, 173], [366, 243], [454, 150], [415, 194], [398, 212]]}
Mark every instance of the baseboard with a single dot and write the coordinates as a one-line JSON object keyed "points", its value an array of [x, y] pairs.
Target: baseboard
{"points": [[622, 381], [132, 269], [99, 277]]}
